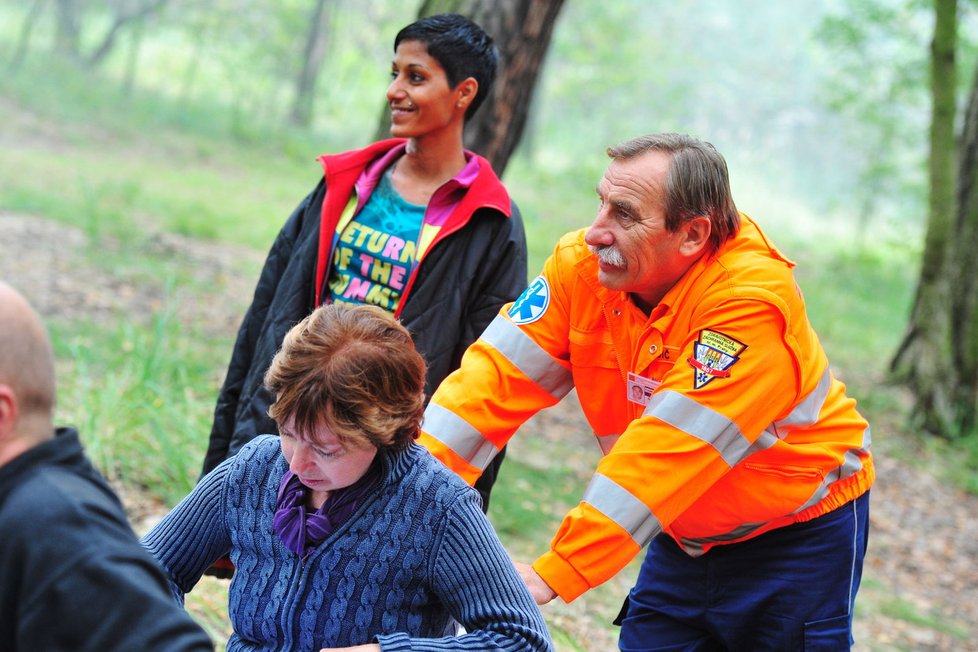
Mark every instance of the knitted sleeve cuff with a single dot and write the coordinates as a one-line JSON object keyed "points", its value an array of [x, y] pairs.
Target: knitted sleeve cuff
{"points": [[394, 642]]}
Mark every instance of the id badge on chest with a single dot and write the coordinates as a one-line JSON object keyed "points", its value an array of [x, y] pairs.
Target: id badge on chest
{"points": [[640, 388]]}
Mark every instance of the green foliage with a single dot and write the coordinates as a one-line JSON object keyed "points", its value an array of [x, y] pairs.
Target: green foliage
{"points": [[167, 160], [953, 460], [748, 86], [879, 76], [208, 604], [553, 200], [876, 57], [964, 454], [114, 168], [876, 597], [857, 301], [564, 640], [142, 398]]}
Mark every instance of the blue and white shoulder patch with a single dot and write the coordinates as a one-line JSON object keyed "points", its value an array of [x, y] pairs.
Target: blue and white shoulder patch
{"points": [[531, 305]]}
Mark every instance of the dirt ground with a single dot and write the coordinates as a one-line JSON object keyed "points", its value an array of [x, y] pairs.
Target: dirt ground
{"points": [[920, 586]]}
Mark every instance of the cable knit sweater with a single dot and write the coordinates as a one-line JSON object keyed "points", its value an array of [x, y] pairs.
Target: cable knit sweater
{"points": [[414, 556]]}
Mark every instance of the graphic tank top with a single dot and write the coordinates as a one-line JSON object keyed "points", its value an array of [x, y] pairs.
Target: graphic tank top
{"points": [[377, 251]]}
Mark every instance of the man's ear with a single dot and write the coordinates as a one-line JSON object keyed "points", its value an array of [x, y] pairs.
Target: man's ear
{"points": [[697, 236], [8, 411]]}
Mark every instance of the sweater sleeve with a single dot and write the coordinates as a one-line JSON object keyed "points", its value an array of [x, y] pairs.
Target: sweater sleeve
{"points": [[477, 582], [194, 534]]}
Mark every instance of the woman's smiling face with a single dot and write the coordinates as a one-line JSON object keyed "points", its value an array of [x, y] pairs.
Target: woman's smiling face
{"points": [[420, 99]]}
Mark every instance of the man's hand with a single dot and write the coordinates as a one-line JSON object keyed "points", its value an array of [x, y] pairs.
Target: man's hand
{"points": [[539, 589], [370, 647]]}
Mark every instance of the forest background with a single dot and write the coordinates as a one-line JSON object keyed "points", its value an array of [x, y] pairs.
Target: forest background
{"points": [[168, 160]]}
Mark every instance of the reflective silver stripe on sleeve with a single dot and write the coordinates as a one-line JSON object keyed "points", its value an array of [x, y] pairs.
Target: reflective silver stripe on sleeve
{"points": [[763, 442], [527, 356], [851, 464], [806, 412], [615, 502], [694, 547], [685, 414], [456, 433]]}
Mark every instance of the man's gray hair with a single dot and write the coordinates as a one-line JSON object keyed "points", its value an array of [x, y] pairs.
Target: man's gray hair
{"points": [[697, 183]]}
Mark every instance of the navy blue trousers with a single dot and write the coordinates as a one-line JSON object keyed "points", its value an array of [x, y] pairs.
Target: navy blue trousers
{"points": [[789, 589]]}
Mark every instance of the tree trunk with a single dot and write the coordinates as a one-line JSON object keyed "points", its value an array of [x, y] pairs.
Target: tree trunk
{"points": [[132, 59], [312, 59], [964, 302], [189, 77], [924, 358], [24, 40], [521, 30], [67, 33], [135, 15]]}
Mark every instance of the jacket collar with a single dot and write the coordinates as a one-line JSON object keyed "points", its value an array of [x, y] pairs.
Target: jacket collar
{"points": [[361, 169], [64, 449], [341, 173]]}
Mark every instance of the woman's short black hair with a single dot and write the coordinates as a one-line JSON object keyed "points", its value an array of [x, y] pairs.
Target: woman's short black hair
{"points": [[461, 47]]}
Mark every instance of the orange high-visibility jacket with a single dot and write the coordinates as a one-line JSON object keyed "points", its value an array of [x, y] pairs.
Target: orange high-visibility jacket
{"points": [[718, 414]]}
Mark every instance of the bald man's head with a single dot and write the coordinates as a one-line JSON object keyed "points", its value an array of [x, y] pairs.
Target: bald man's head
{"points": [[26, 369]]}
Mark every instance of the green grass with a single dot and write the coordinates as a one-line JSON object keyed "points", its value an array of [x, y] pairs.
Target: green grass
{"points": [[530, 500], [877, 598], [108, 164], [108, 187], [142, 396], [906, 611]]}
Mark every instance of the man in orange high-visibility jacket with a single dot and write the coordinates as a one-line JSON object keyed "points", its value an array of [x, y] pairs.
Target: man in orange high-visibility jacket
{"points": [[730, 447]]}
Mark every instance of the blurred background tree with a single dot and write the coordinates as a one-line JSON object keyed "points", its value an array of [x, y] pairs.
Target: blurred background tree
{"points": [[937, 357], [921, 360]]}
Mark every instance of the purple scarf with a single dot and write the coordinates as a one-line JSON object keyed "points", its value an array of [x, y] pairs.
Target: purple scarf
{"points": [[301, 530]]}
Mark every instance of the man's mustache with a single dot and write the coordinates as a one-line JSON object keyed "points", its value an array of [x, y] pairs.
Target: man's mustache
{"points": [[608, 254]]}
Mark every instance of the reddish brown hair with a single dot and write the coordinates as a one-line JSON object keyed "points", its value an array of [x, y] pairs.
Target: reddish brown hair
{"points": [[354, 368]]}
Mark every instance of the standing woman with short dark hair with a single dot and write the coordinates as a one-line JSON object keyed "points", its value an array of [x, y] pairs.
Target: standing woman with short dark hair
{"points": [[415, 224], [344, 531]]}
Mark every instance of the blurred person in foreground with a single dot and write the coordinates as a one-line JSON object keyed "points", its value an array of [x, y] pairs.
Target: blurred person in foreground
{"points": [[343, 530], [414, 224], [73, 576], [741, 462]]}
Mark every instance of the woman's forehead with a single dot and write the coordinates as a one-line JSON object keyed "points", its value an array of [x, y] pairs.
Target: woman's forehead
{"points": [[319, 433]]}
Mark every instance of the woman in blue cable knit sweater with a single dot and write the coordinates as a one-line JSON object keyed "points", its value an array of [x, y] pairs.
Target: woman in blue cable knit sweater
{"points": [[345, 534]]}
